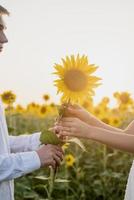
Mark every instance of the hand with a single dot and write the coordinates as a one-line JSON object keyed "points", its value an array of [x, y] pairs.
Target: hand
{"points": [[50, 155], [73, 127], [62, 138], [82, 114]]}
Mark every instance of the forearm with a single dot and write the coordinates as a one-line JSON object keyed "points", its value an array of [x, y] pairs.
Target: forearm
{"points": [[114, 139], [128, 130], [98, 123]]}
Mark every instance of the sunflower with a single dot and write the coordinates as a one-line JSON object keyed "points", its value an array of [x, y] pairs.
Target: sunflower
{"points": [[46, 97], [125, 98], [8, 97], [43, 109], [19, 109], [106, 120], [115, 122], [75, 81], [65, 146], [70, 160]]}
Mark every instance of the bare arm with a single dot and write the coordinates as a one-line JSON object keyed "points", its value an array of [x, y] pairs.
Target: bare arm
{"points": [[76, 127], [98, 123], [128, 130], [114, 139], [87, 117]]}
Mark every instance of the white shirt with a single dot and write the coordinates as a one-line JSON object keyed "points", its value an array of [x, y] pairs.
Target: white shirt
{"points": [[129, 195], [17, 157]]}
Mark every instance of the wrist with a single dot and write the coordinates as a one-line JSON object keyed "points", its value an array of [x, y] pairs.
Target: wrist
{"points": [[88, 133], [92, 120]]}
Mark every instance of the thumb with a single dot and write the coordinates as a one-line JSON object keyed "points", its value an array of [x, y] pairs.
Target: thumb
{"points": [[72, 110]]}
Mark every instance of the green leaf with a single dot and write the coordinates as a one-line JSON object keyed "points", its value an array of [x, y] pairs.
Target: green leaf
{"points": [[48, 137], [78, 142], [42, 178], [62, 180]]}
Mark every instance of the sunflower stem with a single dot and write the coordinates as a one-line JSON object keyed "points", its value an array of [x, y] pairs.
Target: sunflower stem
{"points": [[51, 181]]}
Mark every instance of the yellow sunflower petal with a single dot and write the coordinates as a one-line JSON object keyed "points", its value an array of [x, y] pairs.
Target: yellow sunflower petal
{"points": [[75, 81]]}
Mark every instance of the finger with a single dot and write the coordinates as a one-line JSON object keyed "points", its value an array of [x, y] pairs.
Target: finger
{"points": [[68, 129], [56, 129], [60, 155], [57, 159], [64, 128], [68, 119], [74, 107], [53, 163], [61, 122], [64, 124], [66, 133], [67, 123], [72, 111], [58, 148]]}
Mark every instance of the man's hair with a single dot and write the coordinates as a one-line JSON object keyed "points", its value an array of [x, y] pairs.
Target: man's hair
{"points": [[3, 11]]}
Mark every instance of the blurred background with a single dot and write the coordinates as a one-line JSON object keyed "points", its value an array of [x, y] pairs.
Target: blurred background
{"points": [[40, 33]]}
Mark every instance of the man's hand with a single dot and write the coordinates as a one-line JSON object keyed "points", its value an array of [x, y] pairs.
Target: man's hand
{"points": [[50, 155]]}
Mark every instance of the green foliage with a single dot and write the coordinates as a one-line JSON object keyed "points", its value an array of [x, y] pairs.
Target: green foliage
{"points": [[48, 137], [100, 173]]}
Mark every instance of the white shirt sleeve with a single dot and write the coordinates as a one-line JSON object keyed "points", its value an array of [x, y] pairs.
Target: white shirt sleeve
{"points": [[24, 143], [19, 164]]}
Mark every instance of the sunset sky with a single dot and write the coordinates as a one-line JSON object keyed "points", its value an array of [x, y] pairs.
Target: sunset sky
{"points": [[41, 32]]}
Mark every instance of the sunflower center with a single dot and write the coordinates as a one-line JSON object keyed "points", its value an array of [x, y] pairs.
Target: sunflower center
{"points": [[75, 80], [124, 98]]}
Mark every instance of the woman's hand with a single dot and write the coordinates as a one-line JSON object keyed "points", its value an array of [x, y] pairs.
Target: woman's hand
{"points": [[81, 113], [69, 126]]}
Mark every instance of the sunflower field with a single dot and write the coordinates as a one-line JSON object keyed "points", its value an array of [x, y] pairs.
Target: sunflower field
{"points": [[100, 172]]}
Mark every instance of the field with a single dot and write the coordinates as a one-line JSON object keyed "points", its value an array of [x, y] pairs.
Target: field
{"points": [[99, 174]]}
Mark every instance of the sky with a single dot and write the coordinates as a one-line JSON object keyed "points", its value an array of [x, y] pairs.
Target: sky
{"points": [[41, 32]]}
